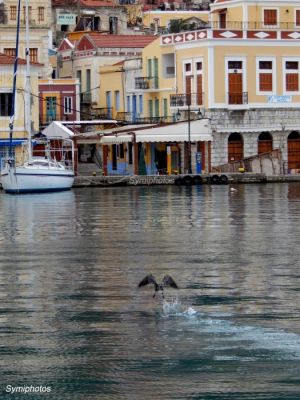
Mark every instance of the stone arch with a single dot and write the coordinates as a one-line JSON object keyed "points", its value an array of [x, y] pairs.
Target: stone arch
{"points": [[265, 143], [235, 147], [293, 150]]}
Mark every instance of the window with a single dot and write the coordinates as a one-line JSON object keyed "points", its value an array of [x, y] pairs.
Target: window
{"points": [[128, 103], [117, 100], [10, 52], [33, 55], [265, 65], [165, 108], [292, 76], [222, 20], [199, 66], [130, 153], [68, 105], [121, 150], [13, 13], [141, 104], [265, 76], [5, 104], [188, 67], [24, 14], [297, 17], [235, 64], [270, 17], [41, 14], [113, 25]]}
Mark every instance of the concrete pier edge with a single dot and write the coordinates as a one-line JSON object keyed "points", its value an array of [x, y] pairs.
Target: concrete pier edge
{"points": [[150, 180]]}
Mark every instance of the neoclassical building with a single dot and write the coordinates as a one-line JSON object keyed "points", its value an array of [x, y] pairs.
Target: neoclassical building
{"points": [[243, 71]]}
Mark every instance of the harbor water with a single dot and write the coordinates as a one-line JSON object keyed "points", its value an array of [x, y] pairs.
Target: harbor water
{"points": [[73, 321]]}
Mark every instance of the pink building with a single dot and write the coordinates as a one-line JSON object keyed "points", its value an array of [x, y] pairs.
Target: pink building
{"points": [[59, 100]]}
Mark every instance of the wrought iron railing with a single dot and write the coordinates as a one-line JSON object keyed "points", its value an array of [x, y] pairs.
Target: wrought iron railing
{"points": [[186, 99], [146, 82], [252, 25], [238, 98], [85, 97], [104, 113]]}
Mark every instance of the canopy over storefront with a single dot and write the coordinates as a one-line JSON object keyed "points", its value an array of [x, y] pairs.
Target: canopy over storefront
{"points": [[200, 130]]}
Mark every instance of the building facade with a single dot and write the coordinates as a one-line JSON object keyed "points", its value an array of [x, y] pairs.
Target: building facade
{"points": [[59, 100], [40, 36], [243, 73], [6, 96]]}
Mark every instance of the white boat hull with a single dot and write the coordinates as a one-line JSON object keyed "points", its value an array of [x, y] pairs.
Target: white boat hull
{"points": [[30, 180]]}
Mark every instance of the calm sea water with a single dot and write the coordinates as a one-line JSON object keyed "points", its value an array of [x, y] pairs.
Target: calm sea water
{"points": [[72, 318]]}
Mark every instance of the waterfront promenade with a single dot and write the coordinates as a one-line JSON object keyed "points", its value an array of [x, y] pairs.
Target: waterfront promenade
{"points": [[139, 180]]}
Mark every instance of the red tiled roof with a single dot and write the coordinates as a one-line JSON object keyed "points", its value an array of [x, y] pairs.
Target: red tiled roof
{"points": [[132, 41], [9, 60], [85, 3]]}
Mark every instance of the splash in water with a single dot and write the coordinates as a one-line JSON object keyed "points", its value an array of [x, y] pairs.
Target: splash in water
{"points": [[175, 307]]}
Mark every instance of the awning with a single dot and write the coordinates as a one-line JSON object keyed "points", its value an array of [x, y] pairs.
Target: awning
{"points": [[58, 130], [15, 142], [200, 131], [113, 139]]}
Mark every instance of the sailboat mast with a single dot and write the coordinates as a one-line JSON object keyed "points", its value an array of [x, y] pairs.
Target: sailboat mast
{"points": [[13, 103], [27, 83]]}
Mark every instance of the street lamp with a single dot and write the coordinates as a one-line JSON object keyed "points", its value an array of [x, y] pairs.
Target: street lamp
{"points": [[200, 116]]}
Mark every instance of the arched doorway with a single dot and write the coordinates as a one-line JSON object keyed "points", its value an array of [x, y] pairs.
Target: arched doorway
{"points": [[294, 150], [265, 143], [235, 147]]}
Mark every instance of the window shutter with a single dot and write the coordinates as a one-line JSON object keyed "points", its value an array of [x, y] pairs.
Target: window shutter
{"points": [[270, 17], [265, 82], [292, 82]]}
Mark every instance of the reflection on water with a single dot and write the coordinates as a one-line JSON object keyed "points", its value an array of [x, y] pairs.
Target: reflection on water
{"points": [[72, 318]]}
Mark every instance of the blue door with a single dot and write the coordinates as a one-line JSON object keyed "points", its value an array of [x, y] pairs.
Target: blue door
{"points": [[134, 114]]}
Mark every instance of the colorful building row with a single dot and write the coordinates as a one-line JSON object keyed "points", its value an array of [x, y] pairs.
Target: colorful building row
{"points": [[241, 72]]}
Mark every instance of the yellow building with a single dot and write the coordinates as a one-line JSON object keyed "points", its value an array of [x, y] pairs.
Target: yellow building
{"points": [[40, 19], [243, 72], [6, 96], [240, 75], [158, 19]]}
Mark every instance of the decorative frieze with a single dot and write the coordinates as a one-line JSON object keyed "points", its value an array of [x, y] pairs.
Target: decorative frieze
{"points": [[229, 34]]}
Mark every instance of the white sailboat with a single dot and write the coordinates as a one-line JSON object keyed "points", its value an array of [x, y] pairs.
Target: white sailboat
{"points": [[53, 168]]}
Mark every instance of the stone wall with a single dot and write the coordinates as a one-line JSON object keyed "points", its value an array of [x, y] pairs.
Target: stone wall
{"points": [[250, 124]]}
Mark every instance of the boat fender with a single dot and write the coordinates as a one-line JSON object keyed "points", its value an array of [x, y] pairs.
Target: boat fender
{"points": [[198, 180], [178, 181], [187, 180], [215, 179], [223, 179]]}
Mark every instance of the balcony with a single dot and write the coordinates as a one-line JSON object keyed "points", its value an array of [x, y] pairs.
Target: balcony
{"points": [[237, 98], [146, 83], [85, 98], [187, 99], [154, 120], [104, 113]]}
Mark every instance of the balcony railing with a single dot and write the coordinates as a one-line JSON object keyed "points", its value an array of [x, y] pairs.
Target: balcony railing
{"points": [[146, 82], [104, 113], [186, 99], [130, 118], [252, 25], [154, 120], [124, 116], [86, 98], [238, 98]]}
